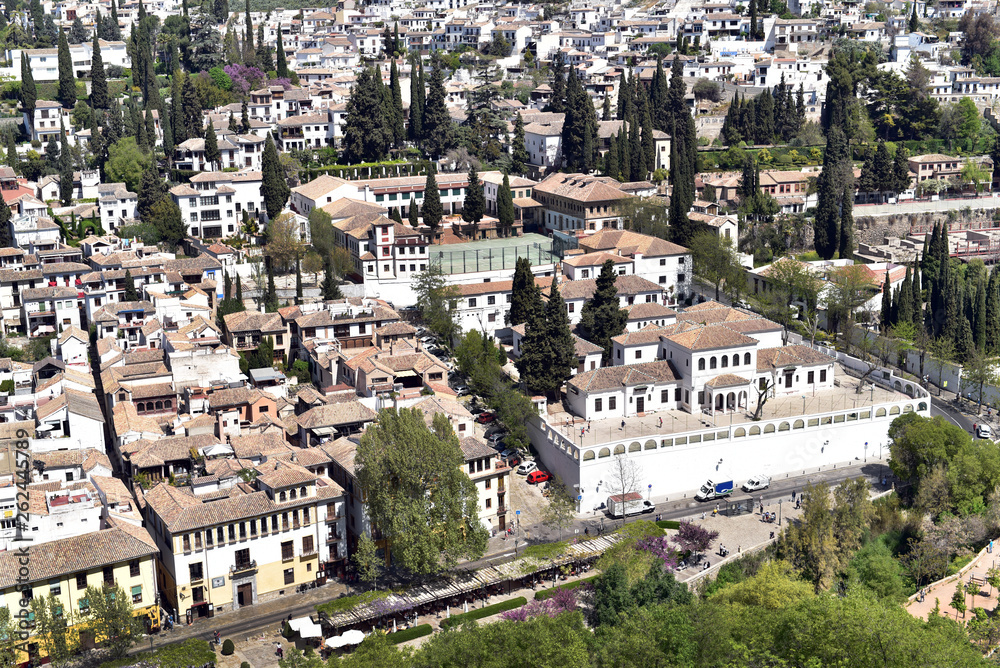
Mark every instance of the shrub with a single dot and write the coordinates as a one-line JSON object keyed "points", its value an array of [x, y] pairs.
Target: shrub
{"points": [[348, 602], [7, 386], [488, 611], [245, 664], [668, 524], [193, 652], [410, 634], [228, 647], [549, 593]]}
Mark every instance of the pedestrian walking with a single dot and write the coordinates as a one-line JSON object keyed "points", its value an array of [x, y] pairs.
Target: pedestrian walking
{"points": [[622, 428], [793, 495], [661, 423], [280, 652]]}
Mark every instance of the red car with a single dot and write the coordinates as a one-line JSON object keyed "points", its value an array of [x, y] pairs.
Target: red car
{"points": [[536, 477], [513, 461], [486, 417]]}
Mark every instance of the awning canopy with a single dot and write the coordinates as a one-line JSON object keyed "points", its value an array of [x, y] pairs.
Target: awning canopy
{"points": [[323, 431], [306, 628]]}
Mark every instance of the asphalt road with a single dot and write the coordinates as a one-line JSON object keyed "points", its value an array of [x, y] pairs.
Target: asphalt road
{"points": [[672, 510]]}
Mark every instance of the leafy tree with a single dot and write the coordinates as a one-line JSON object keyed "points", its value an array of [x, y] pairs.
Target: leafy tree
{"points": [[475, 199], [283, 244], [417, 494], [958, 599], [273, 185], [98, 78], [561, 510], [331, 289], [110, 618], [67, 80], [398, 117], [52, 629], [431, 209], [152, 189], [437, 301], [519, 150], [212, 152], [601, 317], [417, 93], [367, 559], [579, 130], [166, 216], [127, 163]]}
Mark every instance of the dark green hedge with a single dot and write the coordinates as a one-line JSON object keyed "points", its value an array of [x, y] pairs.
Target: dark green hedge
{"points": [[668, 524], [488, 611], [410, 634], [549, 593]]}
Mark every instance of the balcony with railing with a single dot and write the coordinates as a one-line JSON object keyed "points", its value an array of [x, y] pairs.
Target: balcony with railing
{"points": [[243, 566]]}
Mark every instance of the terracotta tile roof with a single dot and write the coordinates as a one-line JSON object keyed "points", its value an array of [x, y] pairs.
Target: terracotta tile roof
{"points": [[90, 551], [251, 446], [431, 406], [727, 380], [711, 337], [343, 451], [614, 377], [647, 310], [628, 242], [584, 289], [254, 321], [769, 359], [126, 419], [473, 448], [580, 187], [332, 415]]}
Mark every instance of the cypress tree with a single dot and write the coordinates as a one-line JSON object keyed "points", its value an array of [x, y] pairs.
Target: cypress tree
{"points": [[281, 65], [519, 151], [67, 81], [395, 216], [5, 236], [65, 169], [900, 171], [557, 103], [191, 106], [233, 126], [264, 59], [611, 167], [579, 127], [826, 227], [368, 133], [601, 317], [525, 296], [244, 119], [212, 152], [249, 51], [658, 97], [560, 339], [98, 78], [413, 216], [648, 143], [637, 165], [239, 290], [416, 129], [505, 209], [29, 94], [273, 186], [886, 302], [115, 29], [606, 109], [398, 127], [624, 96], [331, 290], [475, 199], [431, 208], [298, 280], [979, 312], [131, 294], [904, 301], [438, 130], [13, 160], [177, 107], [846, 241], [764, 118], [993, 312], [536, 355], [965, 344]]}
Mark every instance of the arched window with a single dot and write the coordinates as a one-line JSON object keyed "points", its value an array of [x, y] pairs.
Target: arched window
{"points": [[282, 497], [769, 429], [168, 404], [701, 364], [604, 453], [754, 431], [725, 361], [620, 449], [746, 358], [740, 432], [302, 492], [798, 424], [712, 363], [159, 405], [736, 360], [880, 412], [650, 445], [292, 495], [634, 446], [588, 455]]}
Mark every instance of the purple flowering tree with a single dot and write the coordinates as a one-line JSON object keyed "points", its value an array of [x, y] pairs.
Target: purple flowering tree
{"points": [[660, 546], [564, 600], [693, 538], [245, 79]]}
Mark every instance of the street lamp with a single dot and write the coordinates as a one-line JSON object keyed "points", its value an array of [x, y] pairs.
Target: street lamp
{"points": [[866, 452], [649, 491]]}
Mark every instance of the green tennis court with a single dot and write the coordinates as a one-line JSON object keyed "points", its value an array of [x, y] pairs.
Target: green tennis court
{"points": [[492, 254]]}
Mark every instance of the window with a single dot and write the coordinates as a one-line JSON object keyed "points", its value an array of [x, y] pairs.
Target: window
{"points": [[822, 375], [81, 581], [289, 576], [488, 484], [54, 587], [612, 403], [663, 262], [133, 568], [492, 317], [243, 558], [186, 542], [287, 551], [598, 405], [137, 594], [489, 503], [220, 535], [701, 364], [746, 358], [472, 302], [810, 377], [196, 571], [243, 530], [664, 396], [680, 278], [570, 307], [232, 532], [307, 545], [638, 354]]}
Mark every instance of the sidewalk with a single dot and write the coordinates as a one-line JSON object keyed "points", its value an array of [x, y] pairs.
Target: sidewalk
{"points": [[943, 590]]}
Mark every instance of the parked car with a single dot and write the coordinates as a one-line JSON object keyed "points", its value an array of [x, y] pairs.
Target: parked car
{"points": [[486, 417], [537, 477], [984, 431], [526, 467], [427, 340], [513, 460], [507, 453], [461, 390]]}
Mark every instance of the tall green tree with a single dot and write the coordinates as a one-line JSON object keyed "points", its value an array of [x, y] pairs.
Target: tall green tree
{"points": [[413, 213], [111, 619], [212, 152], [98, 78], [437, 302], [281, 65], [602, 318], [475, 199], [273, 186], [398, 114], [505, 209], [367, 132], [579, 130], [264, 59], [431, 209], [67, 80], [525, 295], [519, 150], [561, 344], [416, 127], [416, 492], [438, 128], [832, 182]]}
